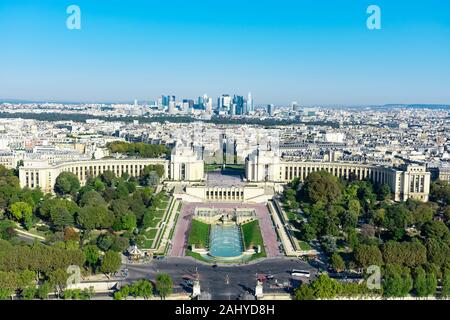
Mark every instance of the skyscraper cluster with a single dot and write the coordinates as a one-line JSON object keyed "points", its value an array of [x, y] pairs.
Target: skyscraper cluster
{"points": [[237, 105], [226, 104]]}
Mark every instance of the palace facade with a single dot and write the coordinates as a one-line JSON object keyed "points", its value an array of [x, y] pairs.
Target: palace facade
{"points": [[42, 174], [263, 169], [412, 181]]}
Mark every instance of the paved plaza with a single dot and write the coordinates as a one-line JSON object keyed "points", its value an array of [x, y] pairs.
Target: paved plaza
{"points": [[218, 179]]}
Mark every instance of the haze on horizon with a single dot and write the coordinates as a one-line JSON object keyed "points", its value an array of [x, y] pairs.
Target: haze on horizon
{"points": [[281, 51]]}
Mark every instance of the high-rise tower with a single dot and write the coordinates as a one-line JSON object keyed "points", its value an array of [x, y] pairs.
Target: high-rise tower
{"points": [[250, 106]]}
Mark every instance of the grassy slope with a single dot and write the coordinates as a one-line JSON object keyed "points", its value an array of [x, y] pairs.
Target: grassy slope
{"points": [[199, 235]]}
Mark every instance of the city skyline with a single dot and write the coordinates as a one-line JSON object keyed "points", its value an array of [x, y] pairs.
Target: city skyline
{"points": [[258, 151], [293, 51]]}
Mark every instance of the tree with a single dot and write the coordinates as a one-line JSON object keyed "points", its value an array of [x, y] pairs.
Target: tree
{"points": [[128, 221], [367, 255], [87, 293], [384, 192], [322, 186], [445, 291], [438, 252], [290, 200], [328, 244], [70, 234], [307, 232], [324, 221], [32, 196], [397, 219], [61, 212], [91, 198], [142, 288], [28, 293], [435, 229], [98, 185], [92, 255], [109, 194], [422, 213], [411, 253], [324, 287], [67, 183], [365, 194], [431, 284], [28, 220], [420, 283], [43, 290], [397, 281], [337, 262], [38, 257], [149, 169], [125, 290], [58, 279], [120, 244], [5, 293], [352, 238], [95, 216], [424, 283], [440, 192], [62, 218], [109, 178], [131, 185], [122, 190], [137, 204], [378, 216], [141, 149], [304, 292], [7, 231], [105, 241], [23, 212], [26, 278], [111, 262], [9, 281], [120, 207], [446, 212], [164, 285], [118, 295], [9, 187], [350, 217]]}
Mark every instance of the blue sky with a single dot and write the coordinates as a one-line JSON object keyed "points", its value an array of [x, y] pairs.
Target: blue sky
{"points": [[310, 51]]}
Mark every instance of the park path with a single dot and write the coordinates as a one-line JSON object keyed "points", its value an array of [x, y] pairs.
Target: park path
{"points": [[181, 233], [31, 235]]}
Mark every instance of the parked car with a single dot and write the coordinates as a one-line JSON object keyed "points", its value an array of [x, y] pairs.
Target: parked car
{"points": [[188, 283]]}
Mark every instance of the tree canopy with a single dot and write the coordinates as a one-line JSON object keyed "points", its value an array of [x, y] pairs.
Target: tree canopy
{"points": [[67, 183]]}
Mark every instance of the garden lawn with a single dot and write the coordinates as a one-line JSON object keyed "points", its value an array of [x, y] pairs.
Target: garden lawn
{"points": [[252, 235], [199, 235]]}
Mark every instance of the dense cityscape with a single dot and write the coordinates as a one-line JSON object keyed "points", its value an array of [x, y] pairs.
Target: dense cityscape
{"points": [[206, 159], [127, 194]]}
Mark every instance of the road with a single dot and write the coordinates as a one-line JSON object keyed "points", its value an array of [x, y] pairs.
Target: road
{"points": [[223, 282]]}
